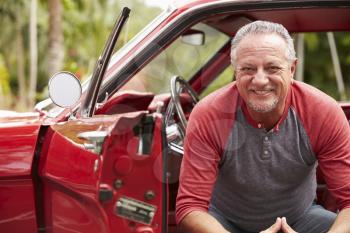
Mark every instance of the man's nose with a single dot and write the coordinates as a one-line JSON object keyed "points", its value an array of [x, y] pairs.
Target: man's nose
{"points": [[260, 78]]}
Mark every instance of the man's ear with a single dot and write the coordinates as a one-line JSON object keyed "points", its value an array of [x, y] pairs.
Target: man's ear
{"points": [[293, 67], [233, 72]]}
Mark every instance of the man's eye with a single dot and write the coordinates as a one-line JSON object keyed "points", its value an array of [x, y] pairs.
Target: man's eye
{"points": [[273, 69], [247, 69]]}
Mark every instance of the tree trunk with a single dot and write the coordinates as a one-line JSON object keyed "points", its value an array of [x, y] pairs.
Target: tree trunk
{"points": [[336, 65], [300, 55], [20, 64], [56, 49], [33, 53]]}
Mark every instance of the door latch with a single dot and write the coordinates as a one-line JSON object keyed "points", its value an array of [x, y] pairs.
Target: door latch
{"points": [[95, 140]]}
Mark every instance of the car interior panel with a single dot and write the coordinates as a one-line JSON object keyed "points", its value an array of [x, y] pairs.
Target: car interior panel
{"points": [[135, 153], [127, 101]]}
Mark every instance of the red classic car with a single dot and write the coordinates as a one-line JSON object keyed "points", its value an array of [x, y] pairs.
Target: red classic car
{"points": [[108, 161]]}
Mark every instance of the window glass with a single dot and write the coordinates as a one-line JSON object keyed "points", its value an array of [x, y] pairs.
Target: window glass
{"points": [[224, 78], [177, 59]]}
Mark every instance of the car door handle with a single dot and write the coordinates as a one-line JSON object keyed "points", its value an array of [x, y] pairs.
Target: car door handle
{"points": [[95, 140]]}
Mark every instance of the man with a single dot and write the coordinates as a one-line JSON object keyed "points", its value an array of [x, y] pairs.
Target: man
{"points": [[252, 147]]}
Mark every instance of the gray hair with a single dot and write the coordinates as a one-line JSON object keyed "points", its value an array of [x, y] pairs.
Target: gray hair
{"points": [[263, 27]]}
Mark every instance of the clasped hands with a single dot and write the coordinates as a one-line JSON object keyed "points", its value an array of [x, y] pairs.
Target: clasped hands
{"points": [[280, 225]]}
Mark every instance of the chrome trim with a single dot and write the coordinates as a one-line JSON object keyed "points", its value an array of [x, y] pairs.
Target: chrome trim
{"points": [[176, 148]]}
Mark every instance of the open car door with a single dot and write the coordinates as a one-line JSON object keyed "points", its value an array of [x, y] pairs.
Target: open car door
{"points": [[102, 173], [105, 174]]}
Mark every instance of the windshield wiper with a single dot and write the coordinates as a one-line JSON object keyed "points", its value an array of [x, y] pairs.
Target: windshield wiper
{"points": [[88, 106]]}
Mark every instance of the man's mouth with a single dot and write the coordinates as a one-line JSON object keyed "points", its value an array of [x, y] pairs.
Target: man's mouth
{"points": [[262, 92]]}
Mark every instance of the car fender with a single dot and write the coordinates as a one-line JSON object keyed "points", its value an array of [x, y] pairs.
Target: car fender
{"points": [[18, 137]]}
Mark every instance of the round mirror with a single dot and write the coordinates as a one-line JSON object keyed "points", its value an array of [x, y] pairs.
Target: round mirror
{"points": [[64, 89]]}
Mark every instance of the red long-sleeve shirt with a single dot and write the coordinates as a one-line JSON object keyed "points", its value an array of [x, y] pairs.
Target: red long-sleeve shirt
{"points": [[222, 137]]}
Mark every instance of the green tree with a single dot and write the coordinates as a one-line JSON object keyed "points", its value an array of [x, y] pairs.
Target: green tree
{"points": [[319, 70], [12, 50]]}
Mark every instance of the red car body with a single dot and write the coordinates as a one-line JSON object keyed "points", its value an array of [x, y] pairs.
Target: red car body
{"points": [[50, 181]]}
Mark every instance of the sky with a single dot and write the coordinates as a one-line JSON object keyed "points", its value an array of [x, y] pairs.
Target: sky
{"points": [[160, 3]]}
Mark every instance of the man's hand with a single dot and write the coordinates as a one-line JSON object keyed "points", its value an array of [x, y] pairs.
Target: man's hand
{"points": [[280, 224], [275, 227], [285, 227]]}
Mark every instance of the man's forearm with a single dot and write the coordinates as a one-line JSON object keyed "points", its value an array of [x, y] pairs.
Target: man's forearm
{"points": [[342, 223], [201, 222]]}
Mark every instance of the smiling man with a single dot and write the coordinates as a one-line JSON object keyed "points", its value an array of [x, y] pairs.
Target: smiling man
{"points": [[252, 147]]}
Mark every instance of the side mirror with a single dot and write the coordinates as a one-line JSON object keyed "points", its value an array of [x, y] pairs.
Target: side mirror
{"points": [[64, 89], [193, 37]]}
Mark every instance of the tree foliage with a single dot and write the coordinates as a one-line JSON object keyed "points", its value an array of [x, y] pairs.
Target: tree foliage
{"points": [[85, 24], [319, 69]]}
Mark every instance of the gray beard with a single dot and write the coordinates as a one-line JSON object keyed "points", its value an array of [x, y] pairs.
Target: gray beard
{"points": [[263, 108]]}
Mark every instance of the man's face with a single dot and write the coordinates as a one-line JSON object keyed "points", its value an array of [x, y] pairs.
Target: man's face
{"points": [[263, 72]]}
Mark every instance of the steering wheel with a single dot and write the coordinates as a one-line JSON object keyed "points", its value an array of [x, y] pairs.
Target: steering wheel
{"points": [[178, 86]]}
